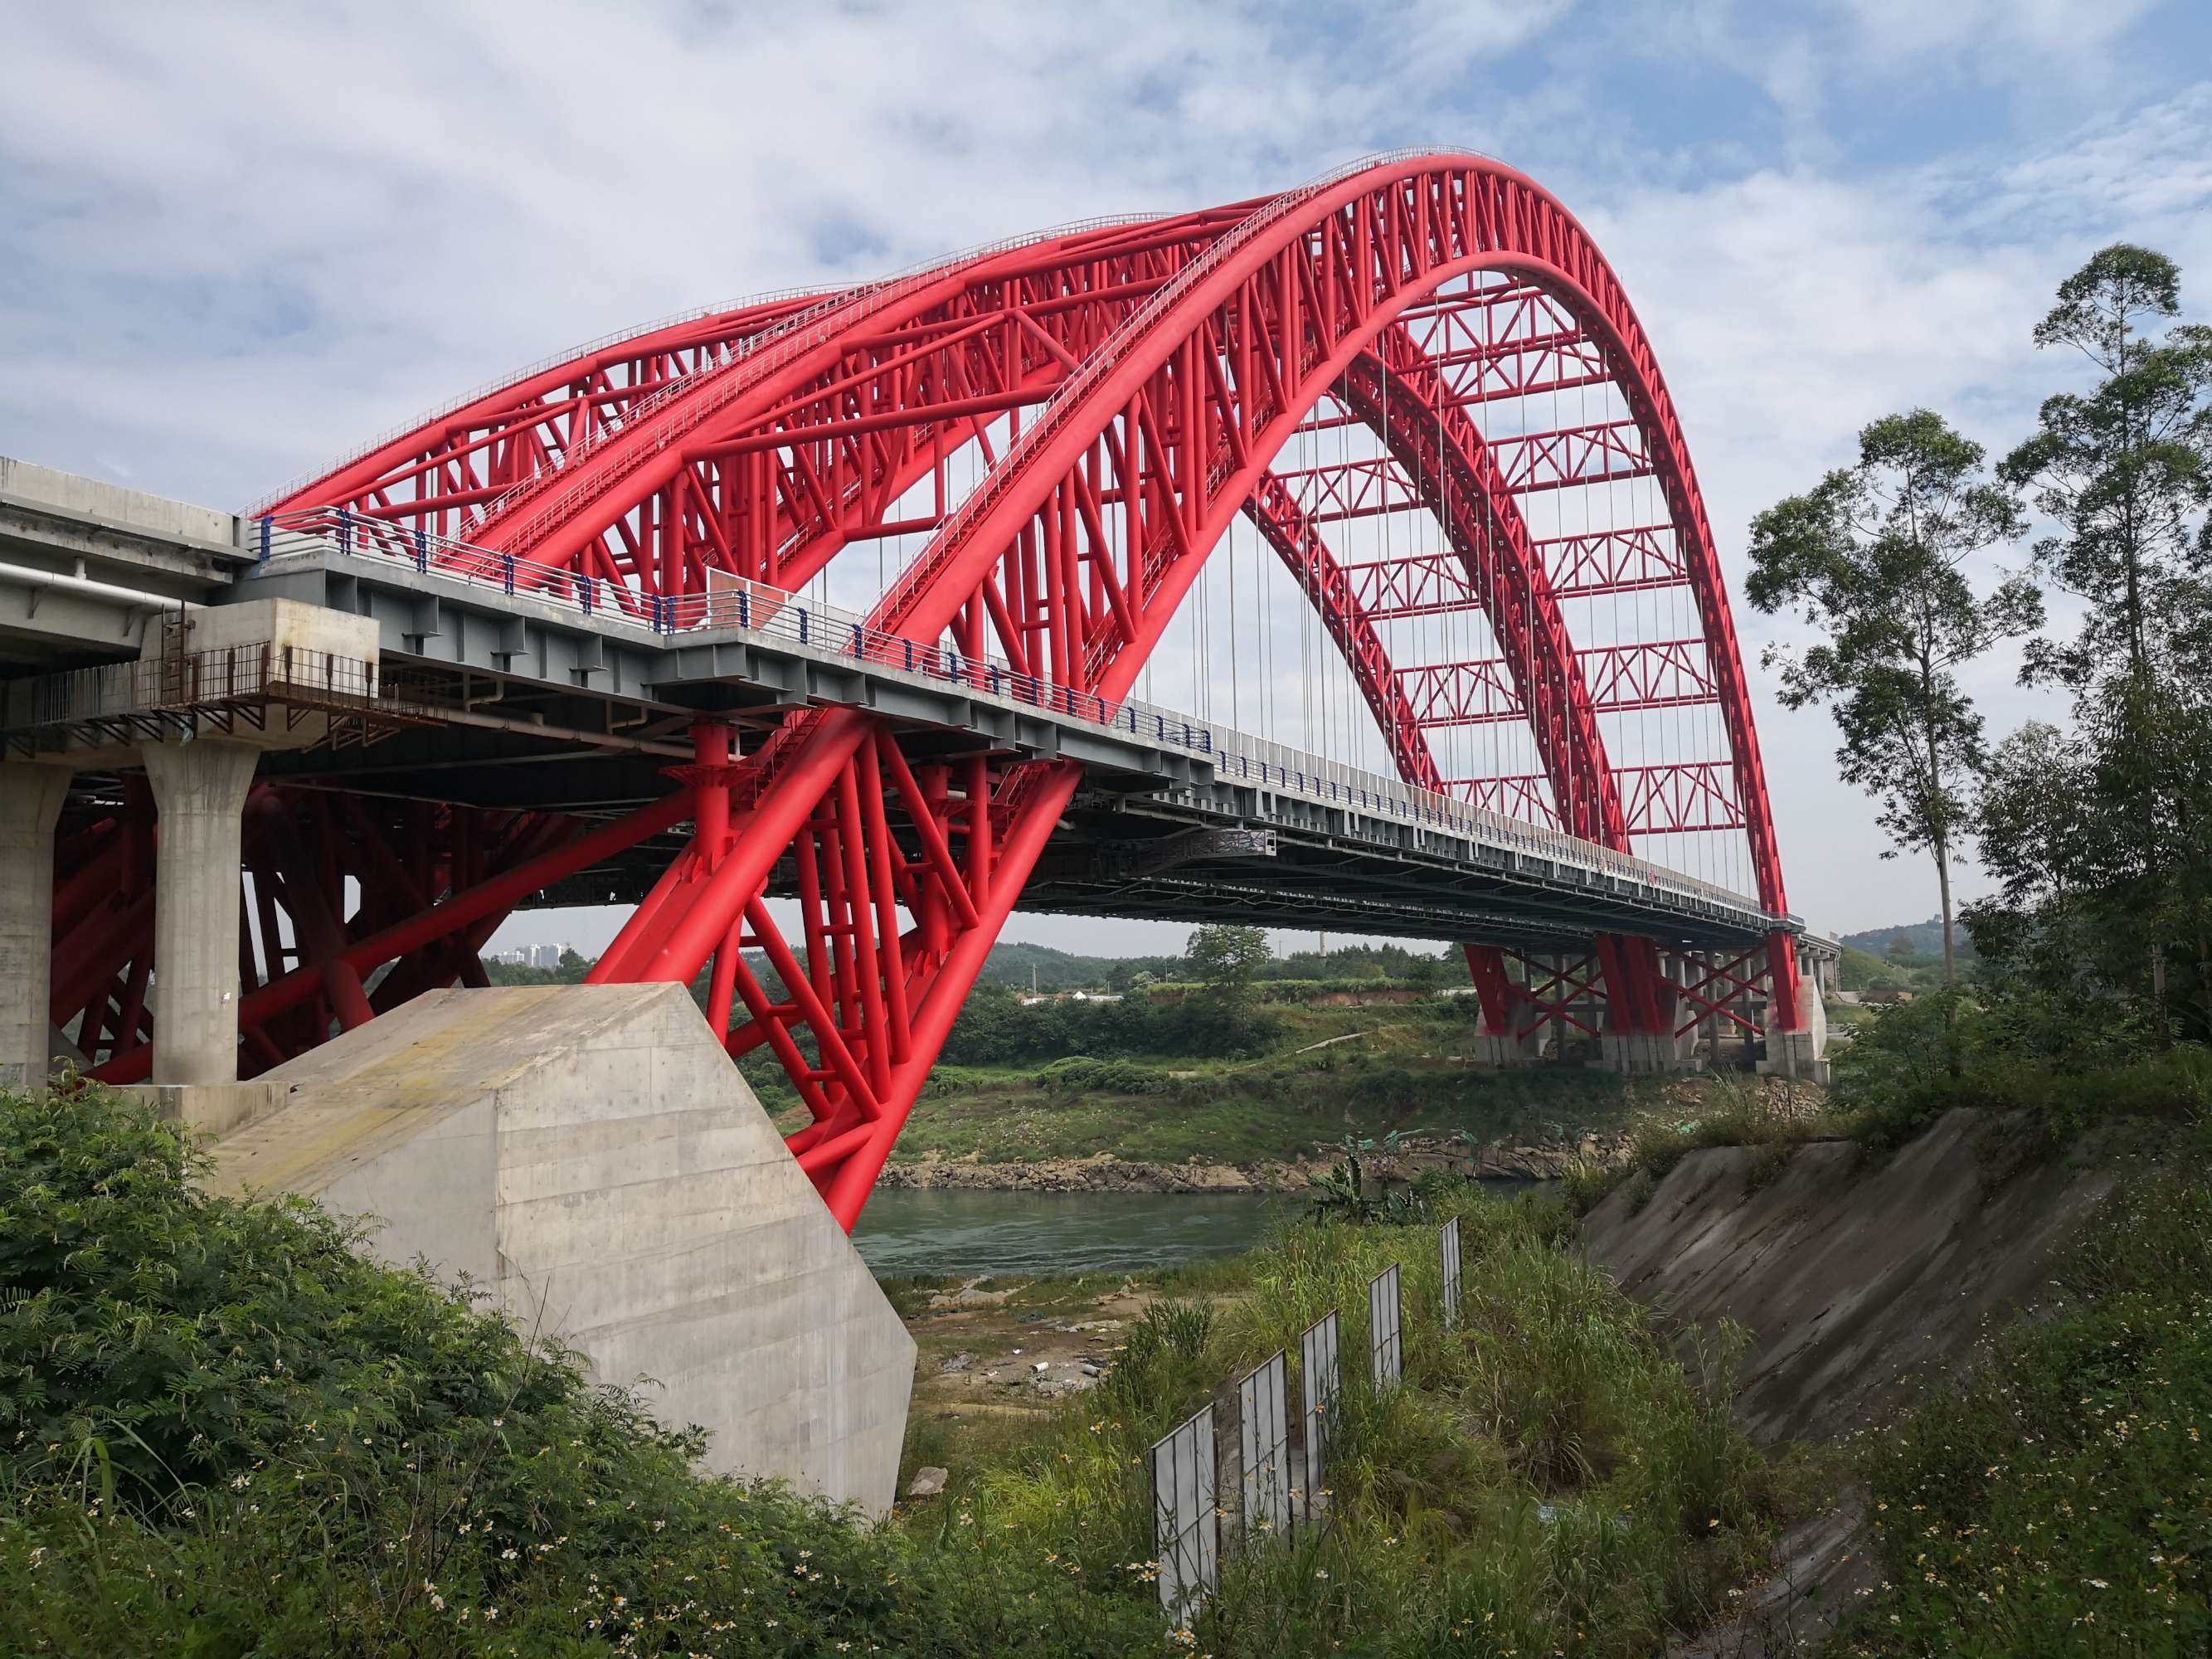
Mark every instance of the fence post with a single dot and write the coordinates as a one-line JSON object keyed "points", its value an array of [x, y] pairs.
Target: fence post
{"points": [[1263, 1438], [1448, 1254], [1320, 1381], [1386, 1343]]}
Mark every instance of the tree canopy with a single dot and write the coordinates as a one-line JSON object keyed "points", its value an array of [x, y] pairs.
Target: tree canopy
{"points": [[1875, 558]]}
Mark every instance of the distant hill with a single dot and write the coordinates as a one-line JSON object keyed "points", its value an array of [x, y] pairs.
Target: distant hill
{"points": [[1011, 964], [1926, 938]]}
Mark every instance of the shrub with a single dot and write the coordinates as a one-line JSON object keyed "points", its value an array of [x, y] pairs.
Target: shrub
{"points": [[2059, 1498], [1528, 1488], [1080, 1075], [224, 1430]]}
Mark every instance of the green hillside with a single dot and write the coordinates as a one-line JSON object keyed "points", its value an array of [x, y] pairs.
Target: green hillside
{"points": [[1924, 941]]}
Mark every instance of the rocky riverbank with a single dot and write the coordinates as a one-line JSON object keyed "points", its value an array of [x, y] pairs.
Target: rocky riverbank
{"points": [[1550, 1158]]}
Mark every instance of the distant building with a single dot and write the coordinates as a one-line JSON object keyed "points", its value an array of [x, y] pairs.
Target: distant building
{"points": [[531, 956]]}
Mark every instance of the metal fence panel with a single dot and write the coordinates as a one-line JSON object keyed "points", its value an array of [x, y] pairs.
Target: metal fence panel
{"points": [[1448, 1252], [1186, 1526], [1320, 1381], [1386, 1342], [1264, 1438]]}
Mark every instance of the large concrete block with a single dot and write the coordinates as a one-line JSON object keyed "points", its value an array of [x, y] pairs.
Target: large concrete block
{"points": [[590, 1154]]}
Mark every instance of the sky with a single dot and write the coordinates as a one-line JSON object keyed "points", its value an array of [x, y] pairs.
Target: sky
{"points": [[237, 241]]}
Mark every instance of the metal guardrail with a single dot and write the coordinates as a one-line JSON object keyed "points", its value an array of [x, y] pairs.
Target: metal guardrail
{"points": [[746, 607], [257, 672], [152, 696]]}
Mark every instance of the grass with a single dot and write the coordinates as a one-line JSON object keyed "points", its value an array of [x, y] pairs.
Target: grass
{"points": [[1404, 1069], [1774, 1116], [1548, 1479], [2058, 1499], [224, 1431]]}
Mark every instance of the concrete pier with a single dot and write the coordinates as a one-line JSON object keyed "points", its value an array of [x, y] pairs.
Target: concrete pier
{"points": [[1646, 1053], [1520, 1046], [199, 795], [31, 798], [1802, 1053]]}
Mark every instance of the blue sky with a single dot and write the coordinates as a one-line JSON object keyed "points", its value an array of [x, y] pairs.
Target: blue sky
{"points": [[238, 241]]}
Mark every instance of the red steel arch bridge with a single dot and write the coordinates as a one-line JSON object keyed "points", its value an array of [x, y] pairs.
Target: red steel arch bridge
{"points": [[1332, 559]]}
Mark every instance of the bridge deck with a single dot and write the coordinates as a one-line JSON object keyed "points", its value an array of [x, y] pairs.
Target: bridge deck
{"points": [[562, 699]]}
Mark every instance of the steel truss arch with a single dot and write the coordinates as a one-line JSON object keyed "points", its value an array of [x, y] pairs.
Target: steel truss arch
{"points": [[1148, 375]]}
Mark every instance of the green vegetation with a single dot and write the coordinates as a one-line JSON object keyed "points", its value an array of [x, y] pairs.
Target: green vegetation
{"points": [[1918, 941], [1068, 1079], [1909, 959], [2059, 1499], [1549, 1479], [2098, 834], [571, 971], [1011, 965], [1873, 558], [223, 1431], [1912, 1061]]}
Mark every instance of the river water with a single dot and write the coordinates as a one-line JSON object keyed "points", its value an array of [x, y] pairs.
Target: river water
{"points": [[965, 1233]]}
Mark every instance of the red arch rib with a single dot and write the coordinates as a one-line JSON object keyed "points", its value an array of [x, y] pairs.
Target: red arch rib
{"points": [[1179, 358]]}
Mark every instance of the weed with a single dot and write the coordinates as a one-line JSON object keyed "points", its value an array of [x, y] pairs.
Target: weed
{"points": [[2059, 1498]]}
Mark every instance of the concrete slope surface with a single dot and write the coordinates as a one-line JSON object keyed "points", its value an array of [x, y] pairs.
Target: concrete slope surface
{"points": [[1854, 1271], [1857, 1273]]}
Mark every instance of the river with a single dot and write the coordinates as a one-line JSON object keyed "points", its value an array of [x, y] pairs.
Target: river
{"points": [[963, 1234]]}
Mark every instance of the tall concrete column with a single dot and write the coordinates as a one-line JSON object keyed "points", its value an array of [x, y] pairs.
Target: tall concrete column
{"points": [[31, 799], [199, 796]]}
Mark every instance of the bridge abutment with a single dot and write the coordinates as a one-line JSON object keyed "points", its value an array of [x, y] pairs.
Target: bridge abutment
{"points": [[591, 1156]]}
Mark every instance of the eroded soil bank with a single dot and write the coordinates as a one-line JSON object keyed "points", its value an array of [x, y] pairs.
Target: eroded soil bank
{"points": [[1855, 1271]]}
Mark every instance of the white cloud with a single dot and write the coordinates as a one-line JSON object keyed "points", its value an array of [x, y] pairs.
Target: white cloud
{"points": [[242, 239]]}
